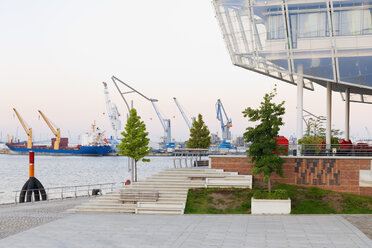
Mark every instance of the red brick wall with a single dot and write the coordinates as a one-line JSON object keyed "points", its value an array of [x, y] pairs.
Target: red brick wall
{"points": [[337, 174]]}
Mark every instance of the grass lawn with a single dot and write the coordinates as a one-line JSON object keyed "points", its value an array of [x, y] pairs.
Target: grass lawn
{"points": [[304, 200]]}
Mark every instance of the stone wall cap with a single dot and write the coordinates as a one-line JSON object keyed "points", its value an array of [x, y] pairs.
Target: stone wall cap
{"points": [[311, 157]]}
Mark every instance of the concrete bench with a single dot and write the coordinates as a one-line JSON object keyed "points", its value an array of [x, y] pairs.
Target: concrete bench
{"points": [[224, 182], [130, 195]]}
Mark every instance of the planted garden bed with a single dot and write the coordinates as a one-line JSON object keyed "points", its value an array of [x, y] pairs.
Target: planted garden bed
{"points": [[303, 200]]}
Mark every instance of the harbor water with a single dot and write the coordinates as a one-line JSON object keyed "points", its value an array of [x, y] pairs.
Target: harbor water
{"points": [[57, 171]]}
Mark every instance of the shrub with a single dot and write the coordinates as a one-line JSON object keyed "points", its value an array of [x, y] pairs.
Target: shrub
{"points": [[279, 194]]}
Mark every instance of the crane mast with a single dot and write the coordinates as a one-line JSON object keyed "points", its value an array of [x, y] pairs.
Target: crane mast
{"points": [[112, 112], [225, 127], [56, 133], [188, 123], [164, 122], [27, 130]]}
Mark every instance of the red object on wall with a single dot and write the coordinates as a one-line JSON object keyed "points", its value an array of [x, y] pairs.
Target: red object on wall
{"points": [[282, 141]]}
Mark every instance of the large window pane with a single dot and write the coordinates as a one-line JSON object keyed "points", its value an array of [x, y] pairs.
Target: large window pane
{"points": [[275, 26], [312, 25]]}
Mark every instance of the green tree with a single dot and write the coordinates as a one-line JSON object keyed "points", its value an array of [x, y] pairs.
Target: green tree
{"points": [[315, 128], [264, 149], [199, 134], [134, 143]]}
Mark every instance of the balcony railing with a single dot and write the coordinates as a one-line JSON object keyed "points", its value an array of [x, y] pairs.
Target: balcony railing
{"points": [[357, 150]]}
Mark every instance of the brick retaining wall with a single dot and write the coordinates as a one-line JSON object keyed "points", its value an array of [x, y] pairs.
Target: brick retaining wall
{"points": [[330, 173]]}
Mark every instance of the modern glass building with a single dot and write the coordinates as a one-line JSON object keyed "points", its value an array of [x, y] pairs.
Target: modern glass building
{"points": [[325, 42]]}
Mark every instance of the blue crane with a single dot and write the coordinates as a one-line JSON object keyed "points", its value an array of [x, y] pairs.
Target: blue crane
{"points": [[226, 123], [188, 123]]}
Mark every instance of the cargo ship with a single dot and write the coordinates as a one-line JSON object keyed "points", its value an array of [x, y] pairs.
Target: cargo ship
{"points": [[86, 150], [91, 145]]}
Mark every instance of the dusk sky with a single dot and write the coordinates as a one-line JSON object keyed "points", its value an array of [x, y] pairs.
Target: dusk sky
{"points": [[55, 55]]}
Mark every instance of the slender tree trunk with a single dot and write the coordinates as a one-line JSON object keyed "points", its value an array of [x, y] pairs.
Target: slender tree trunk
{"points": [[269, 184], [135, 170]]}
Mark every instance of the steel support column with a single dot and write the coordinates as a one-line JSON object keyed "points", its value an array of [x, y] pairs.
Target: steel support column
{"points": [[347, 114], [329, 115], [300, 93]]}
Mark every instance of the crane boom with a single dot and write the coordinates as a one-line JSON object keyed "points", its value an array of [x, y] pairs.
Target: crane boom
{"points": [[159, 115], [56, 133], [182, 113], [27, 130], [164, 122]]}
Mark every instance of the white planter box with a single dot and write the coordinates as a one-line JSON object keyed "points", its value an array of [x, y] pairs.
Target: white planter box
{"points": [[269, 206]]}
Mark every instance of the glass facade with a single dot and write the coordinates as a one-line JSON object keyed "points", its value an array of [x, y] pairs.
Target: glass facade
{"points": [[331, 41]]}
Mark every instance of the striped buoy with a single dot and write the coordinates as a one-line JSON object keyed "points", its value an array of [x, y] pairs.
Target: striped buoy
{"points": [[32, 186]]}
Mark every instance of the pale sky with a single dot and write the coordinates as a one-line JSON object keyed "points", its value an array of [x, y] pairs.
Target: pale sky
{"points": [[55, 54]]}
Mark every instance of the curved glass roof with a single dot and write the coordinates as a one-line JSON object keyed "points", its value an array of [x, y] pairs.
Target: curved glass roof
{"points": [[329, 41]]}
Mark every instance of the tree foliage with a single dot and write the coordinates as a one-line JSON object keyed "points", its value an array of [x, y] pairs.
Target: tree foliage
{"points": [[264, 149], [315, 127], [135, 143], [199, 134]]}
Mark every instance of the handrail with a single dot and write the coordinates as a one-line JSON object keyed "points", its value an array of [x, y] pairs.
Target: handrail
{"points": [[72, 191]]}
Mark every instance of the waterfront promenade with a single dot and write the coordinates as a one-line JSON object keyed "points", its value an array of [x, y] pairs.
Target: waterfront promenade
{"points": [[60, 229]]}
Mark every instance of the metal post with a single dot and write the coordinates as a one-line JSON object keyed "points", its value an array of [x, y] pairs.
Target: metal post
{"points": [[347, 114], [329, 115], [300, 92]]}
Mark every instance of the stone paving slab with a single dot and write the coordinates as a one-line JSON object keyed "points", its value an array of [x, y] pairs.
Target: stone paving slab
{"points": [[124, 230], [362, 221], [21, 217]]}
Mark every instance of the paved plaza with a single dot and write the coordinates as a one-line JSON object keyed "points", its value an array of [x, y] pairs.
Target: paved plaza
{"points": [[128, 230]]}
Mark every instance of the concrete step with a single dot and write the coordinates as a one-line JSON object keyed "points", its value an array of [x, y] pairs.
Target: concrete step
{"points": [[145, 210], [105, 207], [190, 175], [158, 204], [193, 170], [127, 205], [160, 189], [116, 197], [187, 172], [183, 199], [167, 179], [104, 201], [169, 183], [164, 186], [76, 210]]}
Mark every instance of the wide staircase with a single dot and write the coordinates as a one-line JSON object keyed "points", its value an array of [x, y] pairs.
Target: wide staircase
{"points": [[171, 187]]}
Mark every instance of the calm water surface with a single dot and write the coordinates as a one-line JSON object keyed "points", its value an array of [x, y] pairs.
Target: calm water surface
{"points": [[55, 171]]}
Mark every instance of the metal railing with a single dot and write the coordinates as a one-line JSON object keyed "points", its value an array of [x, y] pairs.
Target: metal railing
{"points": [[184, 158], [74, 191], [357, 150]]}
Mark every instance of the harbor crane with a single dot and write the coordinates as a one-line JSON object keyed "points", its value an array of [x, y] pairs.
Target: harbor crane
{"points": [[166, 123], [112, 112], [55, 130], [27, 129], [188, 123], [225, 126]]}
